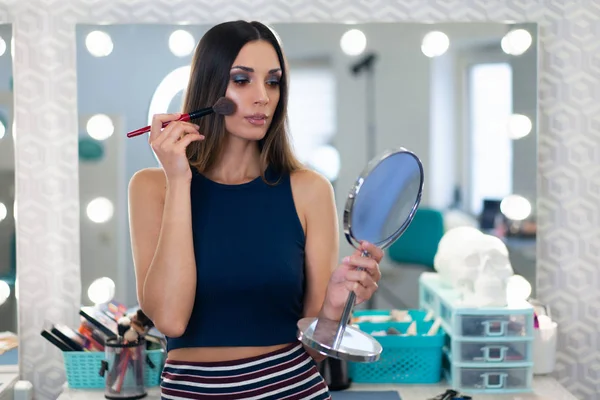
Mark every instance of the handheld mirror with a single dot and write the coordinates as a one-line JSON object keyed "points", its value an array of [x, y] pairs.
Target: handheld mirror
{"points": [[380, 206]]}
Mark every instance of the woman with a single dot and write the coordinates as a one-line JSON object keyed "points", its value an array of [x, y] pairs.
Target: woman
{"points": [[233, 241]]}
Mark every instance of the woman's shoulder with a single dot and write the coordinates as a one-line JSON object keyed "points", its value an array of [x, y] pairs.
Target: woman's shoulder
{"points": [[149, 180], [310, 184]]}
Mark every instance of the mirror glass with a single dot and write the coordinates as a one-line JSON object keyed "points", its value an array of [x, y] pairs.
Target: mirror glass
{"points": [[462, 96], [8, 262], [387, 197]]}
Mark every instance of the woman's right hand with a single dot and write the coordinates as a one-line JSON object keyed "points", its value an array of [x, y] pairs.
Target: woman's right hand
{"points": [[169, 144]]}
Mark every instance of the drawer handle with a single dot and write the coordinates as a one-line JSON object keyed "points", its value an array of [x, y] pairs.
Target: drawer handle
{"points": [[494, 353], [495, 328], [499, 380]]}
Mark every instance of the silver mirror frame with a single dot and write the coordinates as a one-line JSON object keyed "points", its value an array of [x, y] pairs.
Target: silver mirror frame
{"points": [[337, 339]]}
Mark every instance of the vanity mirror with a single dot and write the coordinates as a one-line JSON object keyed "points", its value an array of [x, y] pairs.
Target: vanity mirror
{"points": [[462, 96], [48, 259], [8, 263]]}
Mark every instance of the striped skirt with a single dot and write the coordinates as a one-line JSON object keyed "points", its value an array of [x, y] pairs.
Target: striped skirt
{"points": [[289, 373]]}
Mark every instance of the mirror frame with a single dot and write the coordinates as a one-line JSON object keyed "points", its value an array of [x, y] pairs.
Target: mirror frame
{"points": [[47, 168]]}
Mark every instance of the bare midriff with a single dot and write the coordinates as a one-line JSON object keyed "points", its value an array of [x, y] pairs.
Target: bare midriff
{"points": [[215, 354]]}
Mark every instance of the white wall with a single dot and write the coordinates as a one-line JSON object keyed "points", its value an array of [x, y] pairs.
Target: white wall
{"points": [[122, 84]]}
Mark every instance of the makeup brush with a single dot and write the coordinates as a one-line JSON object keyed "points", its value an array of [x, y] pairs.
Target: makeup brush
{"points": [[223, 106]]}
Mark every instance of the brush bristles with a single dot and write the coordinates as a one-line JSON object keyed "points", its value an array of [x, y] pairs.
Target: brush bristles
{"points": [[224, 106]]}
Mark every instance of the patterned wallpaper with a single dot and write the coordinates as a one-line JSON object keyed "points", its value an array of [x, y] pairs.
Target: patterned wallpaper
{"points": [[46, 153]]}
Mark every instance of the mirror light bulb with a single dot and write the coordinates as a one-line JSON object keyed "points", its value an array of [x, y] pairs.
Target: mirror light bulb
{"points": [[99, 43], [326, 160], [4, 292], [519, 126], [435, 44], [516, 42], [515, 207], [353, 42], [2, 46], [101, 291], [2, 129], [517, 289], [3, 212], [100, 210], [181, 43], [100, 127]]}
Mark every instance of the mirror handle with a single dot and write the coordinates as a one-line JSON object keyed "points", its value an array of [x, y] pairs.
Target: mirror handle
{"points": [[347, 312]]}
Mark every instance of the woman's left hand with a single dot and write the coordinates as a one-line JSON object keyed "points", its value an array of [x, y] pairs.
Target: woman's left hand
{"points": [[347, 277]]}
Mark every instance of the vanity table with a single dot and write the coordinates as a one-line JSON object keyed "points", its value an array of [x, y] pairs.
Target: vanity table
{"points": [[9, 375], [544, 388]]}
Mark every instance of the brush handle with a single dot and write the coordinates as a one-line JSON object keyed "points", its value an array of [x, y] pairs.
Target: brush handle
{"points": [[141, 131], [185, 117]]}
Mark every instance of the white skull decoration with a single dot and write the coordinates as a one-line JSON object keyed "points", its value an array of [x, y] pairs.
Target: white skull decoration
{"points": [[475, 264], [491, 271]]}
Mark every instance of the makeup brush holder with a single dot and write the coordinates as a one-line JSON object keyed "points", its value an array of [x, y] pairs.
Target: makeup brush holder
{"points": [[123, 369]]}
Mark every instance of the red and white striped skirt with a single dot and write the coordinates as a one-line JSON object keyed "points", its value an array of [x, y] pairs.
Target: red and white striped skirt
{"points": [[289, 373]]}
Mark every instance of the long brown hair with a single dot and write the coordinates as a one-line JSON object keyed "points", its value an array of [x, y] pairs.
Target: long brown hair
{"points": [[209, 77]]}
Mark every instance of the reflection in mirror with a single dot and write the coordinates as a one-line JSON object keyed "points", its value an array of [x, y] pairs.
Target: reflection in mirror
{"points": [[8, 259], [461, 96], [386, 199]]}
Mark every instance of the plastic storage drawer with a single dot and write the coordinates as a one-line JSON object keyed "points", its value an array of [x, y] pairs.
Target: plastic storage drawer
{"points": [[497, 352], [463, 321], [490, 379]]}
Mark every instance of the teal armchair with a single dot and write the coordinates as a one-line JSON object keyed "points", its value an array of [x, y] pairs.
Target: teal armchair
{"points": [[419, 242]]}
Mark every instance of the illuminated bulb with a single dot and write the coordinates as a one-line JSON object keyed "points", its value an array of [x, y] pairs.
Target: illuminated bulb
{"points": [[516, 42], [435, 44], [100, 210], [17, 289], [3, 212], [326, 160], [2, 46], [2, 129], [100, 127], [99, 43], [4, 292], [175, 82], [353, 42], [181, 43], [515, 207], [101, 291], [519, 126], [517, 289]]}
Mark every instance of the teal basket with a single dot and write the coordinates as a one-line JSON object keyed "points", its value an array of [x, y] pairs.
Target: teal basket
{"points": [[83, 369], [405, 359]]}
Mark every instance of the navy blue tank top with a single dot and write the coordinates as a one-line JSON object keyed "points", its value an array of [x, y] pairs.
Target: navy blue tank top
{"points": [[249, 249]]}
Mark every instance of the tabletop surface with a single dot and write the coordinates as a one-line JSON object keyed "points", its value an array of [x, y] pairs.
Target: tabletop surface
{"points": [[544, 388]]}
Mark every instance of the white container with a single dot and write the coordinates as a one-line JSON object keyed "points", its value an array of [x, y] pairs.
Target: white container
{"points": [[544, 349]]}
